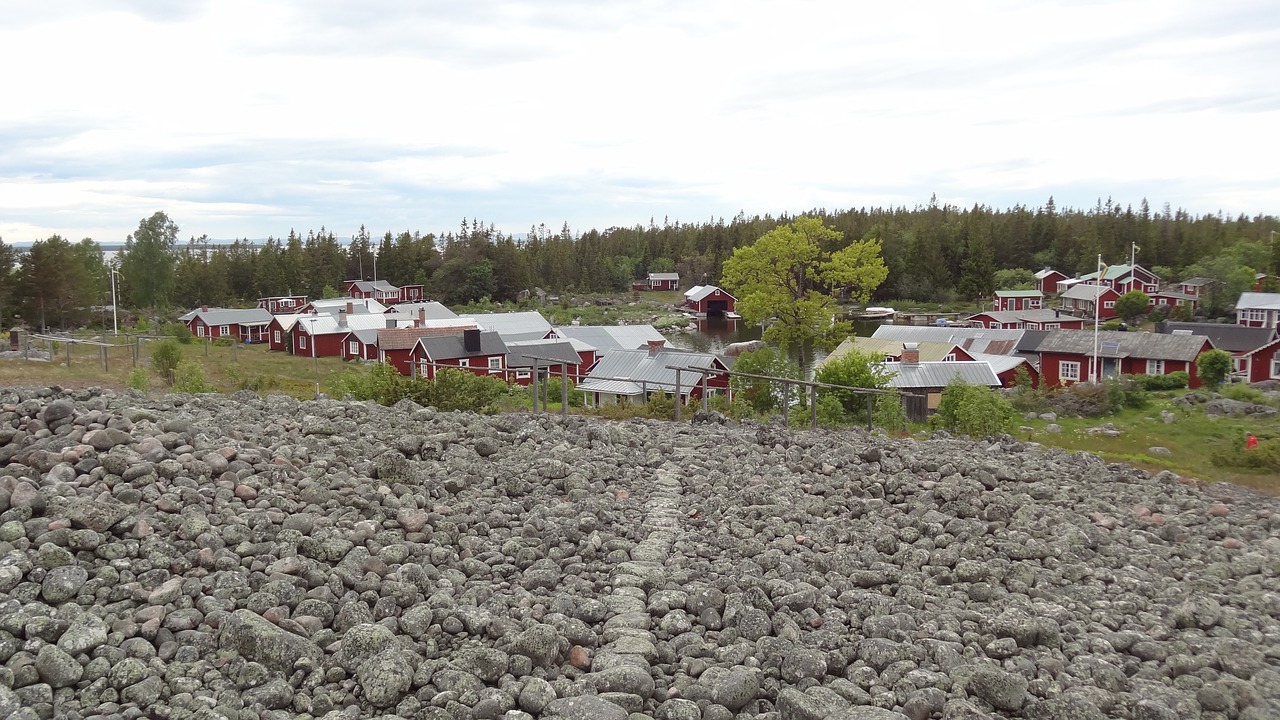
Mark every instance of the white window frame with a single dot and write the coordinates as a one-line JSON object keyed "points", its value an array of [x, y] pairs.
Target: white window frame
{"points": [[464, 362], [524, 374], [224, 331], [1069, 370], [495, 362], [1034, 303], [1155, 367], [1108, 304], [200, 330], [277, 336], [949, 357], [353, 347], [1053, 326], [1275, 366], [302, 342]]}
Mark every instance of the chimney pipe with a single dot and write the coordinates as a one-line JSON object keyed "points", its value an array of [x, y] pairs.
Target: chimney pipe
{"points": [[471, 340], [351, 307], [422, 317], [910, 353], [342, 318], [204, 308]]}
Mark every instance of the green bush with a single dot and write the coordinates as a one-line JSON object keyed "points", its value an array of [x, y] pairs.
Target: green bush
{"points": [[1026, 398], [763, 396], [165, 357], [1244, 393], [889, 414], [856, 370], [462, 390], [555, 392], [139, 380], [1173, 381], [189, 378], [973, 410], [1124, 392], [1214, 366], [1266, 456], [179, 331], [659, 406]]}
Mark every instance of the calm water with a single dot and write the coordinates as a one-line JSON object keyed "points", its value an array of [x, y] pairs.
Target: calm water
{"points": [[713, 335]]}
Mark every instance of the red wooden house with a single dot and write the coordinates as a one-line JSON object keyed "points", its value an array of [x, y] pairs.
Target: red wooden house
{"points": [[249, 325], [1238, 340], [411, 293], [280, 332], [1258, 309], [658, 281], [1047, 281], [1068, 356], [480, 352], [551, 357], [380, 290], [709, 300], [1080, 299], [1028, 320], [279, 304], [1263, 363], [360, 345], [396, 344], [323, 335], [1006, 300]]}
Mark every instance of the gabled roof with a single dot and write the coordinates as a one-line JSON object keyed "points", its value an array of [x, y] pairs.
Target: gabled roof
{"points": [[612, 337], [375, 285], [452, 347], [404, 338], [326, 324], [358, 307], [1116, 272], [881, 347], [230, 316], [432, 309], [664, 276], [1258, 301], [1047, 272], [367, 336], [1019, 293], [649, 369], [1039, 315], [996, 342], [1086, 291], [519, 354], [1232, 338], [702, 291], [940, 374], [1197, 281], [1113, 343], [1001, 363], [288, 320], [514, 326]]}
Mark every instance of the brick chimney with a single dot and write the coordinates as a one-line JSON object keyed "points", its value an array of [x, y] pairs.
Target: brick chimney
{"points": [[351, 307], [204, 308], [910, 353], [422, 317], [656, 345]]}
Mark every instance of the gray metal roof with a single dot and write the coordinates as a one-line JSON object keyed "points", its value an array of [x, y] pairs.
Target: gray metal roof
{"points": [[664, 276], [1084, 291], [1258, 301], [612, 337], [367, 336], [227, 316], [432, 309], [451, 347], [1232, 338], [650, 368], [358, 306], [514, 326], [611, 387], [699, 292], [996, 342], [940, 374], [1151, 346], [1019, 293], [1001, 363], [518, 353], [1038, 316]]}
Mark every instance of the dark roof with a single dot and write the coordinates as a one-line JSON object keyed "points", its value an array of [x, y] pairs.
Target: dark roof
{"points": [[452, 347], [518, 353], [1031, 339], [1113, 343], [1232, 338]]}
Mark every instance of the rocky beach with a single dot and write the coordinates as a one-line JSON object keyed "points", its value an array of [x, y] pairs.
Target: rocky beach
{"points": [[208, 556]]}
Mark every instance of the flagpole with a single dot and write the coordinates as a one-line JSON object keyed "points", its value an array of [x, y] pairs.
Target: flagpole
{"points": [[1097, 302]]}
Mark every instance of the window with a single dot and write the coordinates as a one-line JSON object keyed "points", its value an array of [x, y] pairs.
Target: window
{"points": [[1053, 326], [1275, 366], [1068, 370], [287, 302], [949, 357], [524, 374], [302, 342], [277, 336], [1034, 303], [464, 362], [224, 331], [354, 347], [1108, 303], [495, 363], [1155, 367], [200, 330]]}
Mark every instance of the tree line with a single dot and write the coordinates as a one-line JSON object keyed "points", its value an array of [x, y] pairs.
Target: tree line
{"points": [[933, 253]]}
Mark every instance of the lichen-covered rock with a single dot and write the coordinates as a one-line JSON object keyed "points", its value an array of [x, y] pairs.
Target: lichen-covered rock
{"points": [[254, 638]]}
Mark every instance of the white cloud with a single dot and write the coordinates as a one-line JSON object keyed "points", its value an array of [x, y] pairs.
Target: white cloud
{"points": [[247, 119]]}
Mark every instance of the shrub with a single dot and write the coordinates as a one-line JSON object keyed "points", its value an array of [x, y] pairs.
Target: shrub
{"points": [[179, 331], [555, 392], [1266, 456], [762, 396], [1173, 381], [659, 406], [1213, 366], [461, 390], [854, 369], [1244, 393], [1026, 398], [973, 410], [165, 357], [189, 378], [889, 414], [139, 380], [1123, 392]]}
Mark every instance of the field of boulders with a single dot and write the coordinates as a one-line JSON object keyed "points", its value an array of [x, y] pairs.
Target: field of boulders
{"points": [[241, 557]]}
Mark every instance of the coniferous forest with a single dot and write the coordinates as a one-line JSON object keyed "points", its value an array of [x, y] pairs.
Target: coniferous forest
{"points": [[934, 253]]}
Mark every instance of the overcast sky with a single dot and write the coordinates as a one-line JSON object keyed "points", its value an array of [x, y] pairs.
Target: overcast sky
{"points": [[247, 119]]}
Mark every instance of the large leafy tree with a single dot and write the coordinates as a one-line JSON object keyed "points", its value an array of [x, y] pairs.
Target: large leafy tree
{"points": [[149, 261], [1132, 304], [790, 274]]}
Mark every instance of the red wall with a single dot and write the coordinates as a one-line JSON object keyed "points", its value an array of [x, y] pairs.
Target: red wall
{"points": [[1260, 361], [328, 345], [1128, 366]]}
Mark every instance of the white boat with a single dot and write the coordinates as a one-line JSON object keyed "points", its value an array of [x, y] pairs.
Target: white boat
{"points": [[877, 313]]}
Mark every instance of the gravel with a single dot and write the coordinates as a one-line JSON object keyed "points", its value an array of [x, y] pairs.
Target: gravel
{"points": [[191, 557]]}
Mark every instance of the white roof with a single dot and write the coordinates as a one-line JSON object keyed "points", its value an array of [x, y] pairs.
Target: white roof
{"points": [[514, 326], [611, 337], [432, 309], [692, 290], [326, 324], [940, 374], [1258, 301], [1046, 272], [1000, 363], [333, 305], [701, 291]]}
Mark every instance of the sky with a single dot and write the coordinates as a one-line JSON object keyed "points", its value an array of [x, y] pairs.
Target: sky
{"points": [[250, 119]]}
